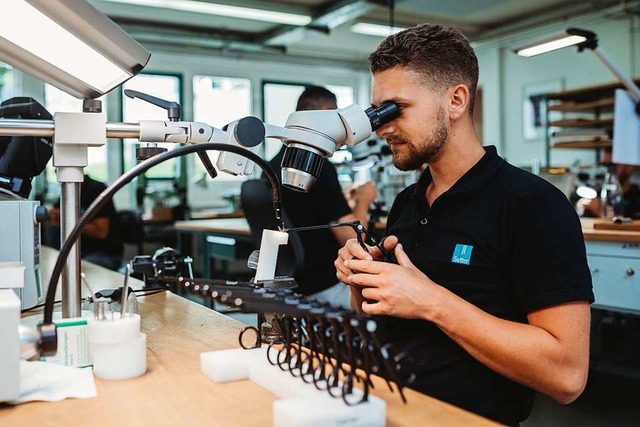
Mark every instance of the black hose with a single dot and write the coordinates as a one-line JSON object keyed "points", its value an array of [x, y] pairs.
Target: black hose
{"points": [[139, 169]]}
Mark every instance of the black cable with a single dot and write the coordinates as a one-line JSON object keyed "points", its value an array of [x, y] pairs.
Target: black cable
{"points": [[26, 310], [146, 293], [139, 169]]}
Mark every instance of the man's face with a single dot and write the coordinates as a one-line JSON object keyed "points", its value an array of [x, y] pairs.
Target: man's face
{"points": [[419, 135]]}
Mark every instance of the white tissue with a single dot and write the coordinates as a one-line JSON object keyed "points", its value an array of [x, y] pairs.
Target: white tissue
{"points": [[51, 382]]}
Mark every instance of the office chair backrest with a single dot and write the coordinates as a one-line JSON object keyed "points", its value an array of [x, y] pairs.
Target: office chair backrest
{"points": [[256, 198], [131, 228]]}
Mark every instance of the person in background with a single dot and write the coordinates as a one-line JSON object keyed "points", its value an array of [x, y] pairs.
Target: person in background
{"points": [[491, 294], [629, 177], [324, 203], [101, 242]]}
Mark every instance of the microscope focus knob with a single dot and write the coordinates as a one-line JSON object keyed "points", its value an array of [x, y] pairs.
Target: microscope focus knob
{"points": [[42, 214], [249, 131], [301, 165]]}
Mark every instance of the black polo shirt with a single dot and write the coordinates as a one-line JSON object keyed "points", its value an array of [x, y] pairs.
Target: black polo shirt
{"points": [[503, 239], [322, 204]]}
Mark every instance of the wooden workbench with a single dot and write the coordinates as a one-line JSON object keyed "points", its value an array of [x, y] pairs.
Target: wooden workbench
{"points": [[232, 226], [607, 235], [174, 393]]}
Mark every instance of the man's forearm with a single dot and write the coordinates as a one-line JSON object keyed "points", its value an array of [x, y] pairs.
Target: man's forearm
{"points": [[553, 362]]}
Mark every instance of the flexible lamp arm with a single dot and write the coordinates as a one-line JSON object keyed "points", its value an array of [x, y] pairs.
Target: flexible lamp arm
{"points": [[591, 43], [47, 329], [629, 84]]}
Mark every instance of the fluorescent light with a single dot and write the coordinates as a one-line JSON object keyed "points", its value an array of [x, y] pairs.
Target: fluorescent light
{"points": [[223, 10], [375, 29], [550, 45], [57, 46], [69, 44]]}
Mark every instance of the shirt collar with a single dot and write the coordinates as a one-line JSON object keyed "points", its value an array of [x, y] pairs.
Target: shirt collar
{"points": [[473, 179]]}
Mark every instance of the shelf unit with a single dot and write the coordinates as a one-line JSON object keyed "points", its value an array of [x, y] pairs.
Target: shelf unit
{"points": [[585, 108]]}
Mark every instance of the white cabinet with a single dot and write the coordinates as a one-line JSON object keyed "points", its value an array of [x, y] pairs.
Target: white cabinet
{"points": [[615, 270]]}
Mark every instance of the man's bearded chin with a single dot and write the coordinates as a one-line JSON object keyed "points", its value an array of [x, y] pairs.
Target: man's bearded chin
{"points": [[429, 151]]}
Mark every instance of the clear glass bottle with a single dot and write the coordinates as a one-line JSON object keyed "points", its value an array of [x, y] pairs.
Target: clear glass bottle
{"points": [[611, 201]]}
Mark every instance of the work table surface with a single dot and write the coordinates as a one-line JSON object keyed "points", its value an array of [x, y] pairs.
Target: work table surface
{"points": [[174, 393], [239, 226], [607, 235]]}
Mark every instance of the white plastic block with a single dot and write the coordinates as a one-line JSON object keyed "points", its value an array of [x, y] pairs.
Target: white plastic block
{"points": [[282, 383], [326, 411], [301, 404], [9, 345], [12, 274], [229, 365]]}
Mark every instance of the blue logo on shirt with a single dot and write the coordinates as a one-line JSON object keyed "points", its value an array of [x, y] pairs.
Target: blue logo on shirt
{"points": [[462, 254]]}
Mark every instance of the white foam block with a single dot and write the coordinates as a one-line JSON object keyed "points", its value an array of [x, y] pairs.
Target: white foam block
{"points": [[282, 383], [301, 404], [229, 365], [325, 411]]}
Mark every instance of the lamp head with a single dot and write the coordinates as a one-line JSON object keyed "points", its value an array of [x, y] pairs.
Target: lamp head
{"points": [[581, 38], [69, 44]]}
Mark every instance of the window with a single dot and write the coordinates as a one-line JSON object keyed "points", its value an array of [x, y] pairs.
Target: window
{"points": [[218, 101], [280, 100], [57, 101], [6, 78], [133, 110]]}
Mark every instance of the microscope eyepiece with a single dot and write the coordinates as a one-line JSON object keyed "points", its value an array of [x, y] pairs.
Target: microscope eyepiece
{"points": [[383, 114]]}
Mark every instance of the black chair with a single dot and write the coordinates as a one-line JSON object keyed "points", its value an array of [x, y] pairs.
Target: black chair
{"points": [[131, 229], [256, 197]]}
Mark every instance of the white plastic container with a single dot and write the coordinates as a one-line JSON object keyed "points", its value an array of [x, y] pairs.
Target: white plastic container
{"points": [[118, 348]]}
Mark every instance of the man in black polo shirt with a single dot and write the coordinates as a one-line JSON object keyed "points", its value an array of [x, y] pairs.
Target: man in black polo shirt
{"points": [[324, 203], [491, 292], [101, 241]]}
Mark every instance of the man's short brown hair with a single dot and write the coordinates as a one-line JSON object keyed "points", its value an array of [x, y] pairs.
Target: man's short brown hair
{"points": [[441, 55], [316, 98]]}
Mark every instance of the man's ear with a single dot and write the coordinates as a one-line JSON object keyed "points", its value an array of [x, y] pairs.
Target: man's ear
{"points": [[458, 101]]}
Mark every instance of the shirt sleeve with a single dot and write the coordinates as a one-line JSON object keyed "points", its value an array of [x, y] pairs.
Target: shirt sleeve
{"points": [[548, 259], [328, 199]]}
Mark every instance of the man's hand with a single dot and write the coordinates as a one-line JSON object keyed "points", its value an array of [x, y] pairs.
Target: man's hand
{"points": [[362, 271], [366, 193], [395, 290]]}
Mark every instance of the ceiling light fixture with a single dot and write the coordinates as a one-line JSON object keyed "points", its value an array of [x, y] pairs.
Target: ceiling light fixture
{"points": [[223, 10], [571, 37], [626, 135], [375, 29], [582, 39]]}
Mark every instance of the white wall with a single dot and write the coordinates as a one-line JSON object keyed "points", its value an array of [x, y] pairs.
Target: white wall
{"points": [[503, 76]]}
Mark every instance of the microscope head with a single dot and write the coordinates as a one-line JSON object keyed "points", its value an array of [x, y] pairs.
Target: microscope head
{"points": [[23, 157], [315, 135]]}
